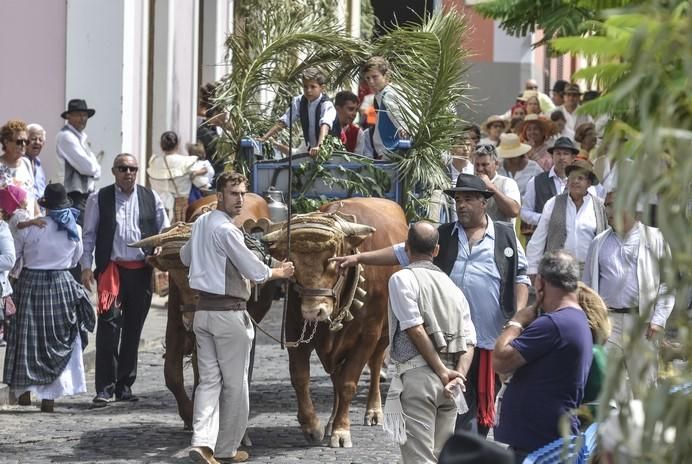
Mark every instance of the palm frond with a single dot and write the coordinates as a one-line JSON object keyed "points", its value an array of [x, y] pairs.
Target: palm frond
{"points": [[429, 65]]}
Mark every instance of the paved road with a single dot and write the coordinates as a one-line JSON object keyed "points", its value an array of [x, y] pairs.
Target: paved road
{"points": [[150, 430]]}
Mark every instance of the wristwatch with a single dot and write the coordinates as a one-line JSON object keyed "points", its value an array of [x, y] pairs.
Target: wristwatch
{"points": [[513, 324]]}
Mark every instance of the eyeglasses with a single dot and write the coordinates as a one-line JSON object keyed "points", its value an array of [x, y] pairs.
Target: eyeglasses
{"points": [[532, 88], [124, 169], [21, 142]]}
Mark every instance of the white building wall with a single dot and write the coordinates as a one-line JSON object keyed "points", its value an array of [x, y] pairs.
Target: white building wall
{"points": [[217, 23]]}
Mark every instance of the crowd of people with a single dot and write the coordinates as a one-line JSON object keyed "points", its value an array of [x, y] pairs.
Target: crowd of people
{"points": [[522, 180]]}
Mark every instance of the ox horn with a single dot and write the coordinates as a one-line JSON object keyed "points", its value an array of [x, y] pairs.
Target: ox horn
{"points": [[352, 228], [155, 240]]}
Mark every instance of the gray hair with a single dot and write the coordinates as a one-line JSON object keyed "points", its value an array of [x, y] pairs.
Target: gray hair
{"points": [[560, 269], [33, 127], [486, 150]]}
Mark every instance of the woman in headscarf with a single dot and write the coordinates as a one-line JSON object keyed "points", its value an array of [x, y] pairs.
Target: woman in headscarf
{"points": [[536, 131], [45, 342]]}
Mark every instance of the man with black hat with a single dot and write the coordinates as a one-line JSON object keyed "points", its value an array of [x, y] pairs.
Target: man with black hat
{"points": [[569, 108], [546, 185], [485, 260], [82, 167], [559, 92], [115, 216]]}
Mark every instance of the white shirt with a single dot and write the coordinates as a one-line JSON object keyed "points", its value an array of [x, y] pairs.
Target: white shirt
{"points": [[403, 298], [527, 212], [509, 187], [523, 177], [572, 120], [72, 147], [581, 229], [617, 264], [327, 116], [48, 248], [214, 241]]}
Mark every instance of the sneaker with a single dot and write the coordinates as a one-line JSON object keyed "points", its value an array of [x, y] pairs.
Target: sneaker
{"points": [[202, 455], [126, 395], [102, 398]]}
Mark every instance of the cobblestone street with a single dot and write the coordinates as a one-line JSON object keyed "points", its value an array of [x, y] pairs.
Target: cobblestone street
{"points": [[150, 431]]}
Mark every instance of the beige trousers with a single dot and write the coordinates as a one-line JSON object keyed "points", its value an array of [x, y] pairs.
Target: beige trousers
{"points": [[222, 403], [429, 416], [641, 359]]}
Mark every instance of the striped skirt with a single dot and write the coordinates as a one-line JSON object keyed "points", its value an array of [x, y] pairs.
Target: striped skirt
{"points": [[52, 309]]}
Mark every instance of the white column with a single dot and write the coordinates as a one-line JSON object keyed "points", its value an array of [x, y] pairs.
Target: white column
{"points": [[175, 70], [217, 23]]}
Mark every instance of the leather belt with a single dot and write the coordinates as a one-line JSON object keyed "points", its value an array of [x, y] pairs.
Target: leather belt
{"points": [[630, 310], [213, 302]]}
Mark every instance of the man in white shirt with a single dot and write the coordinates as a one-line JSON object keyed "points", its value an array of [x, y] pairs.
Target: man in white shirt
{"points": [[569, 220], [622, 265], [505, 203], [431, 338], [82, 167], [548, 184], [221, 268], [569, 108]]}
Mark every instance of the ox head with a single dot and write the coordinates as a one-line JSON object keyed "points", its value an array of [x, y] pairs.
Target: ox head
{"points": [[316, 238]]}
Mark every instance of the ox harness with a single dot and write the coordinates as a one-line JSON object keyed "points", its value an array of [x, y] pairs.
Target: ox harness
{"points": [[348, 291]]}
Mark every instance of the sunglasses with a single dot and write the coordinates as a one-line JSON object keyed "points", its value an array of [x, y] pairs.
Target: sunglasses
{"points": [[124, 169], [532, 88], [21, 142]]}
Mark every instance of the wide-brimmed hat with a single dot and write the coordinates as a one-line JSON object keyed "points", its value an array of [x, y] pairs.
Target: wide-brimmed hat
{"points": [[77, 105], [546, 125], [493, 119], [511, 147], [467, 447], [55, 197], [564, 143], [573, 88], [11, 198], [584, 165], [470, 183]]}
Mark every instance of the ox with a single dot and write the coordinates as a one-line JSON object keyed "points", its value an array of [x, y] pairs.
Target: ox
{"points": [[180, 340], [353, 335]]}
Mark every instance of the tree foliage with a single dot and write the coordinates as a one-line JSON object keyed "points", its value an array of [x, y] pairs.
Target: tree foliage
{"points": [[644, 64], [557, 18]]}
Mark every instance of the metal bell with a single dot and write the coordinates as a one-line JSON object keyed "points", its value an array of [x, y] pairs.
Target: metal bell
{"points": [[348, 317], [336, 326], [357, 304], [360, 293]]}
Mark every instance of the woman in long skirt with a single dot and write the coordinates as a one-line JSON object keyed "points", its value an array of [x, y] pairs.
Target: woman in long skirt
{"points": [[44, 350]]}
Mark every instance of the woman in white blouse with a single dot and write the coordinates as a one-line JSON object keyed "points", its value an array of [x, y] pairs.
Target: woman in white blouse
{"points": [[570, 220], [44, 346], [15, 168]]}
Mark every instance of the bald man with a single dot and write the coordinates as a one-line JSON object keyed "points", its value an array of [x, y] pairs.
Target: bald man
{"points": [[116, 215], [431, 338]]}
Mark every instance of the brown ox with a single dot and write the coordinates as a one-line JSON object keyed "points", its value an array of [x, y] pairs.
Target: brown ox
{"points": [[180, 340], [363, 338]]}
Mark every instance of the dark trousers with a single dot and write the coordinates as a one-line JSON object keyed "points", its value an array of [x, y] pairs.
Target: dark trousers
{"points": [[117, 342], [465, 421], [79, 201]]}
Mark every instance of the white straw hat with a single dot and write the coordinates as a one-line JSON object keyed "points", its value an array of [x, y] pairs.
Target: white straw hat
{"points": [[511, 147]]}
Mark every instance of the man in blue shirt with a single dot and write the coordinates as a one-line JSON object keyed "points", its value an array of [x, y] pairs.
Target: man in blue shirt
{"points": [[485, 260], [547, 350]]}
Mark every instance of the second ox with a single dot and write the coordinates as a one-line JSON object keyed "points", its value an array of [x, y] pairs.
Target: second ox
{"points": [[341, 317]]}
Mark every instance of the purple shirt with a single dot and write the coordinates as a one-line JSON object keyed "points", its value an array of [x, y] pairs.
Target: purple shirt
{"points": [[557, 349]]}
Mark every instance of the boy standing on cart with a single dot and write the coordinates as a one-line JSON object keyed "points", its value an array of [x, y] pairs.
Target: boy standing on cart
{"points": [[314, 109]]}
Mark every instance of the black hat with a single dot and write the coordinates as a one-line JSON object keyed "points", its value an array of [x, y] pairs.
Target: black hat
{"points": [[467, 447], [55, 197], [559, 85], [564, 143], [77, 105], [470, 183]]}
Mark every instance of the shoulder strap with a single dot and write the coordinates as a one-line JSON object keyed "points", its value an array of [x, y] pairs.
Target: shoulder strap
{"points": [[172, 180]]}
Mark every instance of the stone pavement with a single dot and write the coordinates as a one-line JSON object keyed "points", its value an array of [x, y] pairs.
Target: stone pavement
{"points": [[150, 431]]}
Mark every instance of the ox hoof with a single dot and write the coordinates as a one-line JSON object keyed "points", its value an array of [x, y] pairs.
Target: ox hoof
{"points": [[341, 439], [314, 436], [374, 417]]}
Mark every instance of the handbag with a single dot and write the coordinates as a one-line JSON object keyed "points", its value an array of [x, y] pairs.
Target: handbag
{"points": [[179, 203]]}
